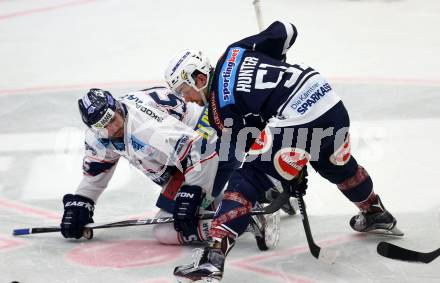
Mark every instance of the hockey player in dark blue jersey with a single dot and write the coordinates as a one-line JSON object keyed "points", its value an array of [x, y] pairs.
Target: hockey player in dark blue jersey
{"points": [[285, 117]]}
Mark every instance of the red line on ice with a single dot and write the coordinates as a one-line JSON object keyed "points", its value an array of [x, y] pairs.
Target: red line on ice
{"points": [[45, 89], [124, 254], [28, 210], [159, 280], [250, 263], [43, 9], [387, 81], [6, 243], [146, 83]]}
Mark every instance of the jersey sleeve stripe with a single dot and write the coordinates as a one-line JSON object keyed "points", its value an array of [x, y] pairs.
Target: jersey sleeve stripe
{"points": [[100, 160], [188, 147], [291, 34], [200, 162]]}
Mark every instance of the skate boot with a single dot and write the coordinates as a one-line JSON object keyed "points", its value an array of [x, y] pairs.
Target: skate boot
{"points": [[208, 263], [376, 219], [265, 228], [288, 207]]}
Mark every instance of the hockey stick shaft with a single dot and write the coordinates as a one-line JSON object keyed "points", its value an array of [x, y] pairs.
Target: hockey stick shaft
{"points": [[314, 248], [395, 252], [271, 208], [258, 14]]}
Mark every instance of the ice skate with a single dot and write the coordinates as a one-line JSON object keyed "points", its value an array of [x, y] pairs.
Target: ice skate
{"points": [[265, 228], [208, 263], [377, 220], [207, 266]]}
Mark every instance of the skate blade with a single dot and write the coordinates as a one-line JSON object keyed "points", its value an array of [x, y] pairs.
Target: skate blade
{"points": [[182, 279], [393, 232], [203, 280]]}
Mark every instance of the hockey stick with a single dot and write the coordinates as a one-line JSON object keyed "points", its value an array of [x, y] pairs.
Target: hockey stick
{"points": [[271, 208], [315, 250], [258, 14], [395, 252]]}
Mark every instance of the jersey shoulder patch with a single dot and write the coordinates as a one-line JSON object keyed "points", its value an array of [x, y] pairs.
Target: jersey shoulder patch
{"points": [[227, 76]]}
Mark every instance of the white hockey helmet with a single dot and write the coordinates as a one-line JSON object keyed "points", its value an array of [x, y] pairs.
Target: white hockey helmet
{"points": [[182, 67]]}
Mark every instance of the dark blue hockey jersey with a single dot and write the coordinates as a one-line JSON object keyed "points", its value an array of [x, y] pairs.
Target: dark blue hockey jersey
{"points": [[253, 85]]}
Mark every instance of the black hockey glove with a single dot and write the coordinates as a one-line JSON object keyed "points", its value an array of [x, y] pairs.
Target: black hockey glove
{"points": [[298, 186], [186, 207], [78, 211]]}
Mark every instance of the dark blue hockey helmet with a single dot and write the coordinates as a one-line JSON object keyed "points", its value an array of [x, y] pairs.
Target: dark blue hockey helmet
{"points": [[97, 108]]}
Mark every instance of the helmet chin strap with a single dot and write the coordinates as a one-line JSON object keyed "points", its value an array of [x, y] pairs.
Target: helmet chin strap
{"points": [[203, 94]]}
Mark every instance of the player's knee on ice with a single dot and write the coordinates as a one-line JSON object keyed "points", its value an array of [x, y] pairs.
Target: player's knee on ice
{"points": [[165, 234]]}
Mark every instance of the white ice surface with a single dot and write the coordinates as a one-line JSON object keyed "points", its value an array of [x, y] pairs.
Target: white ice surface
{"points": [[381, 55]]}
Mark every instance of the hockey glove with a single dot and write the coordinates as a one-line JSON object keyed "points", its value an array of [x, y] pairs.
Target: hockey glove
{"points": [[298, 186], [186, 207], [78, 211]]}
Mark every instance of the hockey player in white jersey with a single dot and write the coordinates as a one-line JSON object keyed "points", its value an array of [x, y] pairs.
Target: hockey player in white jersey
{"points": [[154, 130], [171, 142]]}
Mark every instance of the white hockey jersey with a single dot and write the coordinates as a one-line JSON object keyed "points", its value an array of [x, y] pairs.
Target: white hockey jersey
{"points": [[162, 135]]}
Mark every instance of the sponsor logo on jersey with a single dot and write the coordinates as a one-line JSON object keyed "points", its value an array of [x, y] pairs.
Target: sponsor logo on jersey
{"points": [[149, 112], [203, 128], [247, 68], [341, 156], [290, 161], [227, 76], [310, 97], [215, 112], [262, 144], [135, 98]]}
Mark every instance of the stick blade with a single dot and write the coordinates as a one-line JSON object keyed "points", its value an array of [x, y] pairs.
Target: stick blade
{"points": [[277, 203], [392, 251]]}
